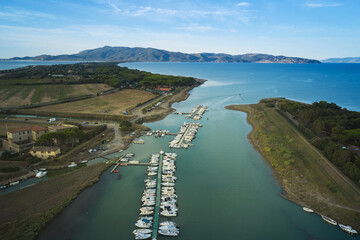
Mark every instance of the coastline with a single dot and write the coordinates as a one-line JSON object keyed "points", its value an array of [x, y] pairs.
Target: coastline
{"points": [[32, 219], [9, 227], [296, 181]]}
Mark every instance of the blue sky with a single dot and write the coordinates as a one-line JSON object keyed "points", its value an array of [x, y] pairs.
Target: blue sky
{"points": [[314, 29]]}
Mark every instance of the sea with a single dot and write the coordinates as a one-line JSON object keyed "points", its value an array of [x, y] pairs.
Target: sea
{"points": [[225, 188]]}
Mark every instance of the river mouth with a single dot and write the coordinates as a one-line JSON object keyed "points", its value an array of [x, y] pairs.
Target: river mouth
{"points": [[225, 188]]}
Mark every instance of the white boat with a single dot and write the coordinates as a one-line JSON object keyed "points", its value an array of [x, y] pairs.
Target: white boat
{"points": [[14, 183], [329, 220], [143, 231], [168, 223], [140, 141], [145, 213], [142, 236], [40, 174], [309, 210], [73, 164], [85, 161], [348, 229], [168, 214], [169, 233]]}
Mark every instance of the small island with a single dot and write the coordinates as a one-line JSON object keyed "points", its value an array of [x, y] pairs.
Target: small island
{"points": [[313, 150]]}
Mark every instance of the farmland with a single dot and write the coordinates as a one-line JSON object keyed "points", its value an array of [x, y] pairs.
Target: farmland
{"points": [[17, 95], [114, 103]]}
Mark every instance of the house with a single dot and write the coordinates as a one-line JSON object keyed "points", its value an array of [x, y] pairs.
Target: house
{"points": [[25, 134], [163, 88], [22, 139], [45, 152]]}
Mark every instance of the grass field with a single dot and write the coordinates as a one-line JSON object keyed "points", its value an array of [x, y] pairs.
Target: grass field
{"points": [[113, 103], [11, 96], [306, 176], [25, 212]]}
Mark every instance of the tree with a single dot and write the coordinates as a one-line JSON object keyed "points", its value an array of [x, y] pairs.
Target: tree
{"points": [[125, 125]]}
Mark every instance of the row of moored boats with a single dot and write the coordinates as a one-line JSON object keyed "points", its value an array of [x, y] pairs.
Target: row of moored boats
{"points": [[197, 112], [346, 228], [168, 198], [185, 136]]}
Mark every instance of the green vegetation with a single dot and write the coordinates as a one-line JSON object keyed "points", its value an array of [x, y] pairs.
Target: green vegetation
{"points": [[333, 130], [69, 136], [9, 169], [109, 73], [306, 176], [125, 125], [28, 210]]}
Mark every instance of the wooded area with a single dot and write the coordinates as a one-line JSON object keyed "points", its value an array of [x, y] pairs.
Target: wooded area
{"points": [[333, 130]]}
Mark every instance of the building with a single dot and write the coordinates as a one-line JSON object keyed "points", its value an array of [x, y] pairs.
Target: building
{"points": [[45, 152], [23, 139], [163, 88]]}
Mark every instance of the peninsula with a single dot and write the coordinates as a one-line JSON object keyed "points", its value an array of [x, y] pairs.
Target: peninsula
{"points": [[283, 133]]}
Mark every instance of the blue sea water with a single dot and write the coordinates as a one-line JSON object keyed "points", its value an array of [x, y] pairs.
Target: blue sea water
{"points": [[225, 188], [5, 65], [339, 83]]}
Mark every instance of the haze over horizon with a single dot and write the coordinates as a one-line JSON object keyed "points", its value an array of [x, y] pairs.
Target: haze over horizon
{"points": [[309, 29]]}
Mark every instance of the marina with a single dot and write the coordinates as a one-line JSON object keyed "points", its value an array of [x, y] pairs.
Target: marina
{"points": [[158, 199], [185, 136]]}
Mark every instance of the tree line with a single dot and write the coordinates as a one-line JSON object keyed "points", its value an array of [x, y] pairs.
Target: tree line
{"points": [[79, 73], [333, 130]]}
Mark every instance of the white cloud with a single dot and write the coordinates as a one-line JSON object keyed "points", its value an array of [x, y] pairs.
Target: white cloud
{"points": [[198, 28], [243, 4], [322, 5], [16, 14]]}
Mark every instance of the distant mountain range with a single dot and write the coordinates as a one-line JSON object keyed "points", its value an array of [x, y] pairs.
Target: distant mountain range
{"points": [[342, 60], [126, 54]]}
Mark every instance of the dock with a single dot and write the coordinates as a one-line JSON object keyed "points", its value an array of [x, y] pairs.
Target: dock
{"points": [[117, 163], [184, 135], [158, 198], [138, 164]]}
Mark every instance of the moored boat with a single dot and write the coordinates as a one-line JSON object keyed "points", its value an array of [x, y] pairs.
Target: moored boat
{"points": [[348, 229], [309, 210], [329, 220], [40, 174]]}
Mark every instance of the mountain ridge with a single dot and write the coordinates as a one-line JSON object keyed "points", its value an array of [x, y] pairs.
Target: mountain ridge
{"points": [[138, 54], [342, 60]]}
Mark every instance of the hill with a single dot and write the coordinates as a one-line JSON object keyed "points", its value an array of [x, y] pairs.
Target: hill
{"points": [[342, 60], [126, 54]]}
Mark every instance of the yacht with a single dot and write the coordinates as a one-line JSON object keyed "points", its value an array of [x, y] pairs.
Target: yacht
{"points": [[348, 229], [168, 223], [329, 220], [168, 213]]}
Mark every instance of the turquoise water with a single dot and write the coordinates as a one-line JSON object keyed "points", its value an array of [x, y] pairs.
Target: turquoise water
{"points": [[225, 189]]}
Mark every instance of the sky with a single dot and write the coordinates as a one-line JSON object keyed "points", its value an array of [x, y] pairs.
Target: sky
{"points": [[315, 29]]}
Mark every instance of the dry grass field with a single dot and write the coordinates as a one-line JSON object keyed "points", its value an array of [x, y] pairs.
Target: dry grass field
{"points": [[113, 103], [11, 96]]}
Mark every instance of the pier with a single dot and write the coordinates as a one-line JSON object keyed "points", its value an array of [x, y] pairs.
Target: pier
{"points": [[117, 163], [158, 198], [184, 135]]}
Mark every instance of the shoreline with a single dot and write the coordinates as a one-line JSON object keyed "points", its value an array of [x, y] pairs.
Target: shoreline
{"points": [[301, 184], [54, 211]]}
